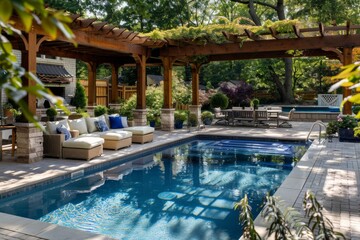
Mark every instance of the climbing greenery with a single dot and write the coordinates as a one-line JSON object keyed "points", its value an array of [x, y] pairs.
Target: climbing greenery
{"points": [[11, 73], [214, 32]]}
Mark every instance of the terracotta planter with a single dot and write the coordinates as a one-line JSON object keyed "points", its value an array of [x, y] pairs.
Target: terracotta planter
{"points": [[347, 135]]}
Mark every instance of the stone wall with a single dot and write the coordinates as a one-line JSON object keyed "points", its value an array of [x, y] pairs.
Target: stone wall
{"points": [[29, 141]]}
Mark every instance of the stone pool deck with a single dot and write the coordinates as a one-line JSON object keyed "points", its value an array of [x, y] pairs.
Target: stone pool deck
{"points": [[331, 170]]}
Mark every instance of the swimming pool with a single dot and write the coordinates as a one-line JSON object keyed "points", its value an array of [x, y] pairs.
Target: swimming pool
{"points": [[184, 192], [312, 109]]}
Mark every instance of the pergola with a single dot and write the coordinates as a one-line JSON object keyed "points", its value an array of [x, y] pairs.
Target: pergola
{"points": [[99, 42]]}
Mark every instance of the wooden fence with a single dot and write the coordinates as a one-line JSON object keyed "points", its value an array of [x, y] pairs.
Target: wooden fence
{"points": [[103, 91]]}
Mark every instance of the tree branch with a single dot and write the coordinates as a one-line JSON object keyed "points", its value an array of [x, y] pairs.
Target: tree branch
{"points": [[256, 2]]}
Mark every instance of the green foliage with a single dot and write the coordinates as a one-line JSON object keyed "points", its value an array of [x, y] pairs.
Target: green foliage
{"points": [[347, 121], [193, 120], [219, 100], [255, 102], [82, 112], [51, 112], [11, 73], [207, 115], [246, 219], [112, 110], [180, 116], [79, 100], [127, 107], [100, 110], [288, 224], [332, 128], [318, 223]]}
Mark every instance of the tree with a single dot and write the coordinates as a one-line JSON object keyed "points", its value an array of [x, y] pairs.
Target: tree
{"points": [[11, 73], [282, 81], [79, 100]]}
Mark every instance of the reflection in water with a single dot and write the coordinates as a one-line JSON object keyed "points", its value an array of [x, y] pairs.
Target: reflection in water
{"points": [[187, 192]]}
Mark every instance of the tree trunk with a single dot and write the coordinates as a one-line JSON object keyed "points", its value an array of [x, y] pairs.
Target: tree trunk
{"points": [[285, 88]]}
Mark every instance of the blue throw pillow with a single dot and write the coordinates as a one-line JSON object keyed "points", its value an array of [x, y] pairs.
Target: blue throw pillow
{"points": [[101, 126], [63, 130], [115, 122]]}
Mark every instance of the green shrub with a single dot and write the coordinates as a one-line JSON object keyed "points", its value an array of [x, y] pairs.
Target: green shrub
{"points": [[332, 128], [100, 110], [112, 110], [219, 100], [51, 112], [207, 115], [255, 103], [356, 109], [79, 100], [180, 116], [193, 120]]}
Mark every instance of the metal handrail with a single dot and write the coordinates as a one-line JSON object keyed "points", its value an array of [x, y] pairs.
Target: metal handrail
{"points": [[320, 123]]}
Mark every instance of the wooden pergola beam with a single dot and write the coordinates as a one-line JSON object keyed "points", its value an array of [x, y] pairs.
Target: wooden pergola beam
{"points": [[259, 47], [297, 32]]}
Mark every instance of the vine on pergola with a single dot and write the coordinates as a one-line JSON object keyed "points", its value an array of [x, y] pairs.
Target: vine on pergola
{"points": [[204, 34]]}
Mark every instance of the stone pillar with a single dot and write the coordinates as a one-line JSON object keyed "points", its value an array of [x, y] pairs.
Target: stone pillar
{"points": [[167, 119], [196, 109], [140, 117], [29, 141]]}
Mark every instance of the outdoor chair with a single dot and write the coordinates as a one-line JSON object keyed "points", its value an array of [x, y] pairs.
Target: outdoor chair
{"points": [[220, 117], [286, 119]]}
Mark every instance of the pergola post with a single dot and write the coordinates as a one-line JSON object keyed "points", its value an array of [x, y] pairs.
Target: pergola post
{"points": [[91, 66], [347, 59], [167, 112], [195, 108], [29, 138], [140, 112], [114, 82]]}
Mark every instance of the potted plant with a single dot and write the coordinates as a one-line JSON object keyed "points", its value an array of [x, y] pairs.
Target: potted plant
{"points": [[151, 119], [179, 117], [346, 125], [255, 103], [7, 107], [51, 113], [207, 117], [100, 110], [331, 129], [193, 120]]}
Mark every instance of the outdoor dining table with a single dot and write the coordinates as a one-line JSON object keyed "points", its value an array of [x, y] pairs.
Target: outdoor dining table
{"points": [[255, 117]]}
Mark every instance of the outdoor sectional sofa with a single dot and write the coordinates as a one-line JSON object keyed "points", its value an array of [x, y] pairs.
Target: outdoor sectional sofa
{"points": [[83, 133]]}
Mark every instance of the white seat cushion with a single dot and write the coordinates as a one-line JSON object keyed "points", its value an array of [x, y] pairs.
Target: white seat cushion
{"points": [[115, 135], [140, 130], [83, 142]]}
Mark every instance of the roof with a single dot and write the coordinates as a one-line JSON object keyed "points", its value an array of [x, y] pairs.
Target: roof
{"points": [[49, 73], [154, 79]]}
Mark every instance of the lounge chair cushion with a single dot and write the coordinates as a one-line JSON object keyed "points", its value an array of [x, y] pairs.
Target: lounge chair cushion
{"points": [[90, 123], [51, 126], [140, 130], [83, 142], [63, 130], [78, 124]]}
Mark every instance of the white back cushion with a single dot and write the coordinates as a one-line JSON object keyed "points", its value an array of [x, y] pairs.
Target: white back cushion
{"points": [[51, 126], [78, 124], [90, 123]]}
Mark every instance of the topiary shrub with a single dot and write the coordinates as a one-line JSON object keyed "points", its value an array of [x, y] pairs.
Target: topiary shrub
{"points": [[193, 120], [51, 113], [219, 100], [79, 100], [207, 117], [100, 110], [255, 103]]}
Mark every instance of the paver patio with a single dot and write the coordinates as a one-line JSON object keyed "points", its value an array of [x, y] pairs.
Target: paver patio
{"points": [[331, 170]]}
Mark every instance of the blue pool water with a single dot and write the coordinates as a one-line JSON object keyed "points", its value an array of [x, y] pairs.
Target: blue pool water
{"points": [[184, 192], [311, 109]]}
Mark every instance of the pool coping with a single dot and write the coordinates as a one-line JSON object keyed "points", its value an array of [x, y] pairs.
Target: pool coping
{"points": [[20, 225]]}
